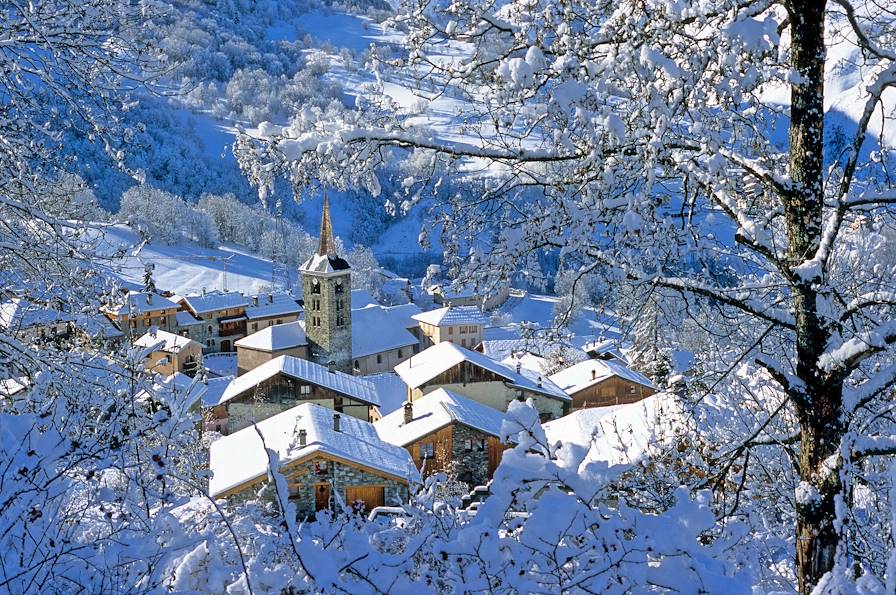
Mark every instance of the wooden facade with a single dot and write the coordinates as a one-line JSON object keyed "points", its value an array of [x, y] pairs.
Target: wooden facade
{"points": [[612, 391], [473, 454]]}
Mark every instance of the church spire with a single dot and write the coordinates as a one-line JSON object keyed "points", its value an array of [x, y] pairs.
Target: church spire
{"points": [[327, 246]]}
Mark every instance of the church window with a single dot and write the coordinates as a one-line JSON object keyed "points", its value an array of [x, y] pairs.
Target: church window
{"points": [[340, 304], [339, 287], [315, 287], [340, 320]]}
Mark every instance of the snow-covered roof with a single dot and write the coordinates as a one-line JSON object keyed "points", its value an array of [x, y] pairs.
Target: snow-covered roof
{"points": [[277, 304], [403, 314], [215, 300], [215, 388], [276, 337], [168, 342], [452, 315], [321, 263], [378, 329], [391, 390], [13, 386], [618, 434], [20, 314], [605, 347], [141, 302], [434, 411], [362, 298], [431, 362], [241, 458], [97, 326], [354, 387], [184, 318], [527, 360], [592, 371]]}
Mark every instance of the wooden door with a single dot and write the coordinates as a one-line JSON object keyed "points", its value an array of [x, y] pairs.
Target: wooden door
{"points": [[321, 496], [495, 450], [371, 496]]}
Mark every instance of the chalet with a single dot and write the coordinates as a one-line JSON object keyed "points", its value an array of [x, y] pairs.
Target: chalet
{"points": [[267, 310], [473, 375], [287, 381], [28, 321], [223, 315], [462, 325], [270, 343], [141, 310], [599, 383], [321, 453], [445, 431], [383, 337], [172, 353], [605, 350]]}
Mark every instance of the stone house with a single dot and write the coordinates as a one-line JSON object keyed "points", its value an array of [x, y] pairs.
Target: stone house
{"points": [[480, 378], [447, 432], [270, 309], [223, 316], [270, 343], [141, 310], [462, 325], [600, 383], [384, 337], [321, 453], [173, 353], [287, 381]]}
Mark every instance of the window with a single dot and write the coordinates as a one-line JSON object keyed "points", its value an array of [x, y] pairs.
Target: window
{"points": [[315, 287], [163, 320], [305, 389], [632, 389], [133, 323], [379, 358], [340, 320], [463, 342], [481, 445], [399, 354], [340, 305], [209, 328], [427, 450], [450, 330], [468, 445], [254, 326], [279, 321], [339, 287]]}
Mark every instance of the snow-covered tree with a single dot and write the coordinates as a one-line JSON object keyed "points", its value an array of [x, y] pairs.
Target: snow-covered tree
{"points": [[682, 145]]}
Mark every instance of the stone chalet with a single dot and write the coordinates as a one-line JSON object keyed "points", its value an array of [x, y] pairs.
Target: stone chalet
{"points": [[447, 432], [270, 343], [478, 377], [321, 453], [172, 353], [287, 381], [599, 383], [459, 324], [142, 310]]}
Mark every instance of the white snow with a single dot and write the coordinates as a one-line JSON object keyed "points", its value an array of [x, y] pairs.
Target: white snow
{"points": [[590, 372], [168, 342], [276, 337], [376, 329], [452, 315], [240, 457]]}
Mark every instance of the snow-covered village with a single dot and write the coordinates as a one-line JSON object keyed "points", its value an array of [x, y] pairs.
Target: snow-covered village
{"points": [[405, 296]]}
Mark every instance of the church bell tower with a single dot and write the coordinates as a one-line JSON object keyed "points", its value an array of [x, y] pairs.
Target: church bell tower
{"points": [[327, 285]]}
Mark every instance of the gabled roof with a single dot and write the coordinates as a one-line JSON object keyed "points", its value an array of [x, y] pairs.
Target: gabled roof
{"points": [[354, 387], [215, 300], [276, 304], [426, 365], [139, 302], [240, 458], [169, 342], [593, 371], [391, 390], [452, 315], [276, 337], [434, 411], [215, 388], [378, 329], [324, 264], [184, 318], [21, 314]]}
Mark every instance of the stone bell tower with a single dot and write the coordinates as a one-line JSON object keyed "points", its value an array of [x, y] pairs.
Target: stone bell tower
{"points": [[327, 285]]}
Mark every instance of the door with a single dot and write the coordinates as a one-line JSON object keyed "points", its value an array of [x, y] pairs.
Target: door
{"points": [[321, 496], [365, 498], [495, 450], [225, 346]]}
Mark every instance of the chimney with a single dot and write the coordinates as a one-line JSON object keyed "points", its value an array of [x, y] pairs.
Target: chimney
{"points": [[336, 417], [408, 412], [149, 298], [270, 298], [254, 300], [303, 438], [593, 374], [539, 382], [519, 366], [203, 291], [331, 367]]}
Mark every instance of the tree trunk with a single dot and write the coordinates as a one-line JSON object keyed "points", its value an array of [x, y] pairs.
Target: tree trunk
{"points": [[818, 403]]}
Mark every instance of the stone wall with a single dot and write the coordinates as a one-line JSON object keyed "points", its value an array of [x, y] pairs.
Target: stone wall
{"points": [[329, 340], [473, 464]]}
